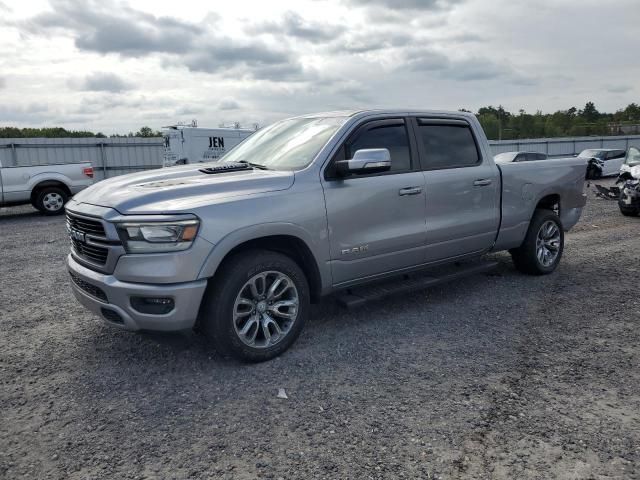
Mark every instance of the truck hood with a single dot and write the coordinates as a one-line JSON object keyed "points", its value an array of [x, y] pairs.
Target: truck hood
{"points": [[177, 189]]}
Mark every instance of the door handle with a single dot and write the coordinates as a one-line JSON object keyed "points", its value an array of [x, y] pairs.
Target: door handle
{"points": [[482, 182], [409, 191]]}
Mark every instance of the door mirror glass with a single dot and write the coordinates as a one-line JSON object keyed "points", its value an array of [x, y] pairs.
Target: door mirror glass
{"points": [[365, 161]]}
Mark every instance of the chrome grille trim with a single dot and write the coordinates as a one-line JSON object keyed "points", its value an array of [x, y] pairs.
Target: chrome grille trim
{"points": [[86, 225], [94, 241]]}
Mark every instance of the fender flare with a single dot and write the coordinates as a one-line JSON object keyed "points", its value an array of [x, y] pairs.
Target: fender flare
{"points": [[53, 177], [254, 232]]}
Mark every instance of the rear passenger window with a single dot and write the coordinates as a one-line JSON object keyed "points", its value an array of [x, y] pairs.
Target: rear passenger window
{"points": [[448, 146], [392, 137]]}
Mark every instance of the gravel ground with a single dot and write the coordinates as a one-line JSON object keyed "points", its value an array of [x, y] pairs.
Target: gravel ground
{"points": [[496, 376]]}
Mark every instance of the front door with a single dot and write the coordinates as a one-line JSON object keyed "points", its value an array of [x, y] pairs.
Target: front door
{"points": [[376, 221], [463, 189]]}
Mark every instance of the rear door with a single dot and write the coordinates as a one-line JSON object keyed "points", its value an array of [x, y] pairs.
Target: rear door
{"points": [[463, 189], [376, 221]]}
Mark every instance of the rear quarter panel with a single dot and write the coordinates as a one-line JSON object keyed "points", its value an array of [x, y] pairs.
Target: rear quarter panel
{"points": [[524, 184]]}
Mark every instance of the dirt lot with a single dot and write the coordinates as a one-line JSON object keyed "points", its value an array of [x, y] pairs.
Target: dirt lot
{"points": [[497, 376]]}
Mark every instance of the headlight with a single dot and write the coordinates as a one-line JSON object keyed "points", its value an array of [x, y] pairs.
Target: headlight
{"points": [[155, 237]]}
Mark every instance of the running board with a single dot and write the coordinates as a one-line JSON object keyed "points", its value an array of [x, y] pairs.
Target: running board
{"points": [[358, 296]]}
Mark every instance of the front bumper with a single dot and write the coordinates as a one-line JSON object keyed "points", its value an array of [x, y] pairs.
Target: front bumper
{"points": [[110, 299]]}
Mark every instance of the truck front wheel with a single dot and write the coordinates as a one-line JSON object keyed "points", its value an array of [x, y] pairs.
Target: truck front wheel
{"points": [[542, 248], [256, 305]]}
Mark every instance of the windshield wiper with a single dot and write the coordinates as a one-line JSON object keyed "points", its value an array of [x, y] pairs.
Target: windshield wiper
{"points": [[255, 165]]}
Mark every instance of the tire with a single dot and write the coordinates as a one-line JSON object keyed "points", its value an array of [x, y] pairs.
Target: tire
{"points": [[51, 200], [593, 173], [224, 317], [629, 212], [525, 257]]}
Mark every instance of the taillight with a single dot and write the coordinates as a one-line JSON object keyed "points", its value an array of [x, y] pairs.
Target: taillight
{"points": [[88, 172]]}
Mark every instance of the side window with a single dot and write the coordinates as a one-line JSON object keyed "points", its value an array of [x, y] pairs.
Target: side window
{"points": [[448, 145], [521, 157], [619, 154], [537, 156], [392, 137]]}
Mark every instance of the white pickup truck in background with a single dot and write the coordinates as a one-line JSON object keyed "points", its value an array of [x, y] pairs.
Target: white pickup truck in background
{"points": [[46, 187]]}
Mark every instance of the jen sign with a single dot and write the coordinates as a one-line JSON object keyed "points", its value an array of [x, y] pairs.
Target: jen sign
{"points": [[216, 142]]}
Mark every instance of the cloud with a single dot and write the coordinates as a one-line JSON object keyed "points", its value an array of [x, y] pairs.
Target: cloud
{"points": [[104, 82], [105, 27], [619, 88], [252, 60], [228, 104], [433, 5], [365, 43], [465, 69], [3, 83], [294, 25], [474, 69], [188, 110], [426, 60], [32, 113]]}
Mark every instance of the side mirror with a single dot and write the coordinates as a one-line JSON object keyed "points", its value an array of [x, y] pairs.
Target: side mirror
{"points": [[367, 160]]}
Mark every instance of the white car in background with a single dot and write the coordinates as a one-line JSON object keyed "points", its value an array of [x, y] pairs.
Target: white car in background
{"points": [[603, 162], [509, 157]]}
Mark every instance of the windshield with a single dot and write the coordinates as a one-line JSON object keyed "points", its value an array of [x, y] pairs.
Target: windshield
{"points": [[591, 153], [286, 145], [633, 157], [505, 157]]}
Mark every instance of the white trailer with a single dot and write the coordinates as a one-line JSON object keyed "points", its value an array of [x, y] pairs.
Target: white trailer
{"points": [[187, 144]]}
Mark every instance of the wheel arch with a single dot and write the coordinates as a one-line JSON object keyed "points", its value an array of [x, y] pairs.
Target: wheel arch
{"points": [[551, 201], [287, 241], [38, 187]]}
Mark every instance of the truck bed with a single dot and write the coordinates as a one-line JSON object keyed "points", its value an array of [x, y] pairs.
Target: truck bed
{"points": [[526, 184]]}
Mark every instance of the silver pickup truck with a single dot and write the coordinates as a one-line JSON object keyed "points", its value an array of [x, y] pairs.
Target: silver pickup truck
{"points": [[306, 207], [46, 187]]}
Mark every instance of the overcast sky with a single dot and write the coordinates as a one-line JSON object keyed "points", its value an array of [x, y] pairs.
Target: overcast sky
{"points": [[117, 65]]}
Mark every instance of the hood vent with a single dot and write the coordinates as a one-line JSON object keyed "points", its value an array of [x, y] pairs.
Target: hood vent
{"points": [[226, 167]]}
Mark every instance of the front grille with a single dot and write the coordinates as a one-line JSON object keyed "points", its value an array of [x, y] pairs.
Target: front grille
{"points": [[90, 252], [85, 225], [89, 288], [81, 227]]}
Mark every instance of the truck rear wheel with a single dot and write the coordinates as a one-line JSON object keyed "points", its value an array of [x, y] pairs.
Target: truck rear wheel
{"points": [[543, 245], [629, 211], [51, 200], [256, 305]]}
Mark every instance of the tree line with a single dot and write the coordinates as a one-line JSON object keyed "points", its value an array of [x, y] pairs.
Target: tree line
{"points": [[498, 124], [59, 132]]}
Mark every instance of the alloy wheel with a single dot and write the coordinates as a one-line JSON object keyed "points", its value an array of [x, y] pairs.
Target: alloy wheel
{"points": [[265, 309], [548, 243]]}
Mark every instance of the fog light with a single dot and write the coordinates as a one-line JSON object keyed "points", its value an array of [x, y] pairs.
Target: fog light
{"points": [[153, 305]]}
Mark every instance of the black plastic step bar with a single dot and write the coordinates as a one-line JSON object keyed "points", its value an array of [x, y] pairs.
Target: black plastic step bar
{"points": [[358, 296]]}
